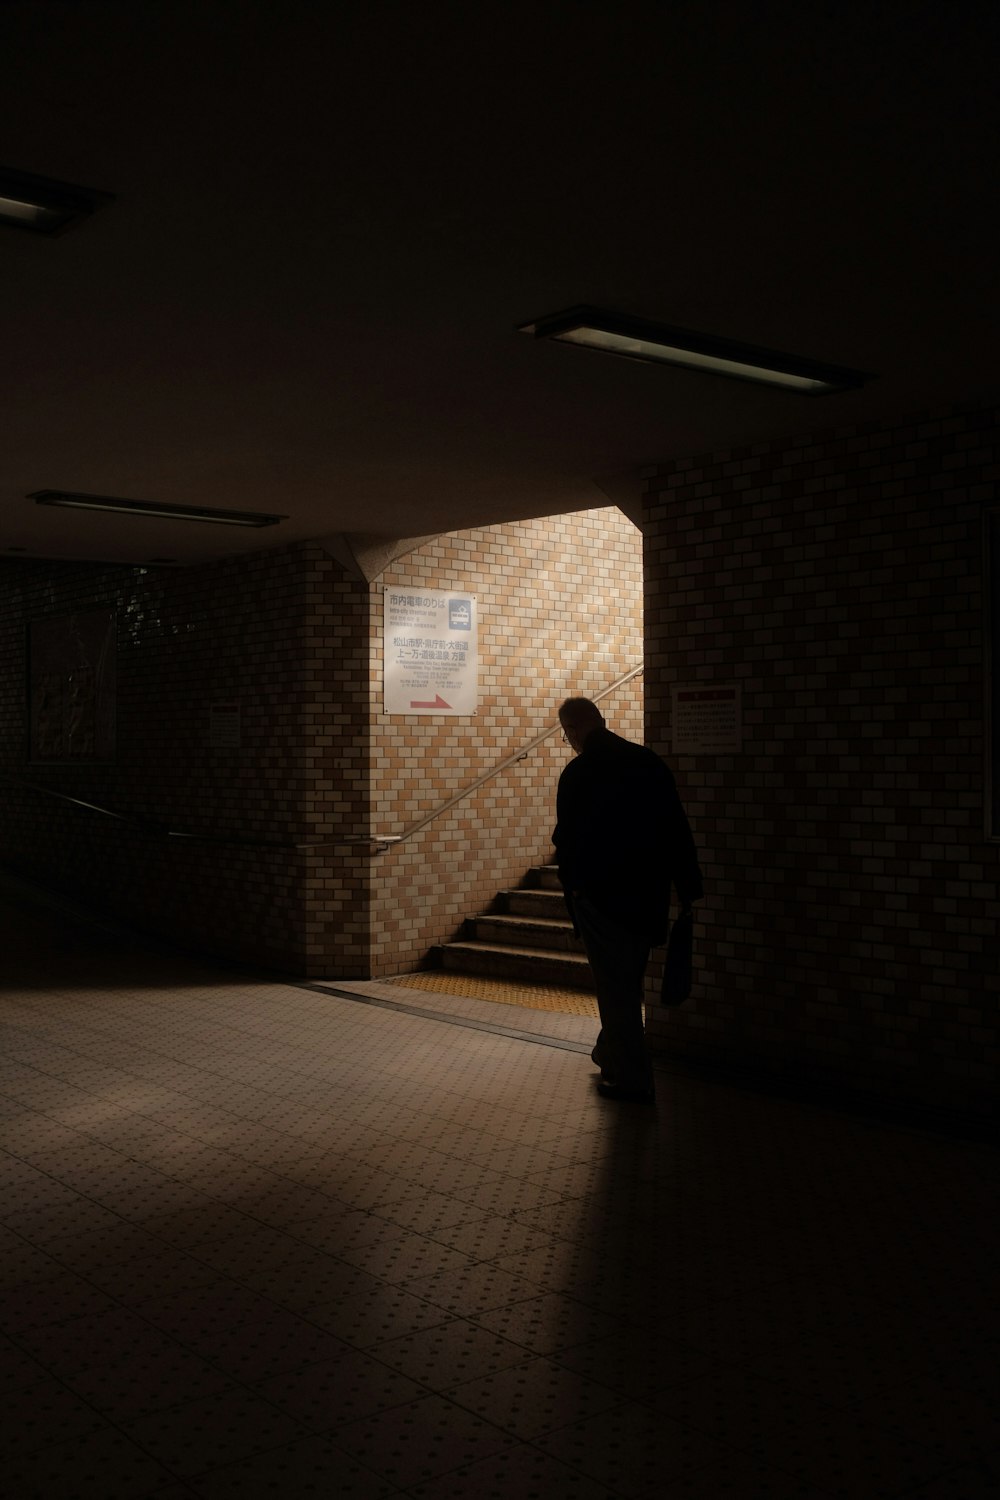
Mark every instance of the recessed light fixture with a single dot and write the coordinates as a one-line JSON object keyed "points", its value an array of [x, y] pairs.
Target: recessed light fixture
{"points": [[654, 343], [72, 501], [44, 205]]}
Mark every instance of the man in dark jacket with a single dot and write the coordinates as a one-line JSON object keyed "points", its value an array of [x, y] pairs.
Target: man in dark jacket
{"points": [[622, 841]]}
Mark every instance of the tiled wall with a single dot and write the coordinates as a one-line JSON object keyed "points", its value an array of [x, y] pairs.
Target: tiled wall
{"points": [[850, 927], [284, 635], [560, 613], [296, 642]]}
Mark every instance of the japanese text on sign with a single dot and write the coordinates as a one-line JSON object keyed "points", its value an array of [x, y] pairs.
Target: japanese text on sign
{"points": [[707, 720], [431, 652]]}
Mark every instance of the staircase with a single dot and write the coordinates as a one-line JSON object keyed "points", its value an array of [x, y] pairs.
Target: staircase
{"points": [[527, 936]]}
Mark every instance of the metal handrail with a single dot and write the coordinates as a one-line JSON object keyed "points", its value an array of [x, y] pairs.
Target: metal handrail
{"points": [[407, 833], [150, 825], [379, 842]]}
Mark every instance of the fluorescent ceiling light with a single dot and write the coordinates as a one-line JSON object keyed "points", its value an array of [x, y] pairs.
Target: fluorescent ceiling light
{"points": [[653, 343], [165, 512], [44, 205], [24, 215]]}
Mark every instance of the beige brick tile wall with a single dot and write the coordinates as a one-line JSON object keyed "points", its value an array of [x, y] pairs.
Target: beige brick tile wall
{"points": [[297, 643], [850, 927], [560, 612], [284, 634]]}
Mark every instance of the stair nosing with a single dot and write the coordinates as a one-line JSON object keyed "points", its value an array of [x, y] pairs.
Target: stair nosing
{"points": [[464, 944], [515, 919]]}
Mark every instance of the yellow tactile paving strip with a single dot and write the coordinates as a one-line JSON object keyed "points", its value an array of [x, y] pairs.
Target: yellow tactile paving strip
{"points": [[502, 991]]}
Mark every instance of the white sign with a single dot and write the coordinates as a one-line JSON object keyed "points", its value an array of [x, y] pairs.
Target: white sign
{"points": [[707, 720], [431, 655]]}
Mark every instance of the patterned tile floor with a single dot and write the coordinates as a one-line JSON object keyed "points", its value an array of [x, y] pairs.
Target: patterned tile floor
{"points": [[263, 1239]]}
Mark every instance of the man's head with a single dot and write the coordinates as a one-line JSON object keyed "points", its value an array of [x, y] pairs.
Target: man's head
{"points": [[579, 718]]}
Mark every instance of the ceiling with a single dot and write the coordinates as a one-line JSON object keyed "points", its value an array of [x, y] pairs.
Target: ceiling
{"points": [[330, 218]]}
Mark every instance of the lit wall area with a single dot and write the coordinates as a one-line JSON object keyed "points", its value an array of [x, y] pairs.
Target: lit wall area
{"points": [[222, 731], [832, 591], [559, 604]]}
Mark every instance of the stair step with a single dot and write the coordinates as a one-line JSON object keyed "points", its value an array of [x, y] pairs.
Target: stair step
{"points": [[543, 877], [538, 965], [533, 903], [553, 933]]}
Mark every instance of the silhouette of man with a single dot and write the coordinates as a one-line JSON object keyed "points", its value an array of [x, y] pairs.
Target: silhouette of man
{"points": [[622, 840]]}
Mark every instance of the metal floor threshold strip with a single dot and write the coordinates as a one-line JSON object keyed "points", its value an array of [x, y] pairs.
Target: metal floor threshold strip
{"points": [[366, 992]]}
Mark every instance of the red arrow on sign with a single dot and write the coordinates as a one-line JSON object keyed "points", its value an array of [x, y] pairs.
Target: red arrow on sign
{"points": [[438, 703]]}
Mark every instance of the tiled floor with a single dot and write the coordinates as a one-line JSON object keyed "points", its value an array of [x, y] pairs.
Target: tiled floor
{"points": [[268, 1240]]}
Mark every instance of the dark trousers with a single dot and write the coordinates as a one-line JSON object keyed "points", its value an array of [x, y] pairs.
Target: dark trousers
{"points": [[618, 959]]}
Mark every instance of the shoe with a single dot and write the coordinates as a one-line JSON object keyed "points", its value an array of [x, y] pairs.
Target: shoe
{"points": [[621, 1091], [595, 1058]]}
